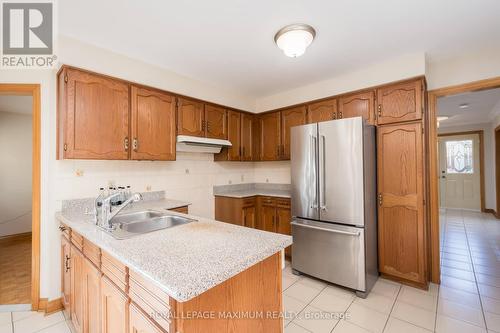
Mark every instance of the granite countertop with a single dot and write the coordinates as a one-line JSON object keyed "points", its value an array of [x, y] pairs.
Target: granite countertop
{"points": [[185, 260], [253, 189]]}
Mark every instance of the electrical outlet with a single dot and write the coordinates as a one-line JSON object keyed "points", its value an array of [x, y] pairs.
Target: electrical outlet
{"points": [[148, 188], [186, 171], [230, 182], [79, 173], [111, 183], [242, 178], [267, 180]]}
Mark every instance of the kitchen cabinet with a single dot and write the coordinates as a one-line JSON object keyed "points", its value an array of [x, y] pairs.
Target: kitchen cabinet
{"points": [[114, 308], [93, 116], [322, 111], [401, 202], [190, 117], [77, 307], [400, 102], [246, 139], [267, 218], [290, 117], [140, 323], [215, 122], [358, 105], [234, 136], [256, 138], [66, 275], [153, 125], [249, 217], [270, 136], [91, 298]]}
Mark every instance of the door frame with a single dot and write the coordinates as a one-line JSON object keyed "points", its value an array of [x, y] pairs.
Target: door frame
{"points": [[480, 133], [432, 164], [34, 91], [497, 170]]}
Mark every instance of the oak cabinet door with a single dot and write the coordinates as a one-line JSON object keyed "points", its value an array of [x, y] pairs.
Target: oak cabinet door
{"points": [[96, 117], [268, 214], [289, 118], [114, 312], [234, 135], [322, 111], [256, 133], [283, 226], [401, 208], [270, 136], [139, 323], [77, 289], [246, 137], [400, 102], [190, 117], [215, 122], [92, 303], [358, 105], [153, 125], [249, 217], [66, 275]]}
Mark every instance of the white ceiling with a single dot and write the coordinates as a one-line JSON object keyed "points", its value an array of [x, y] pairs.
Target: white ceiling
{"points": [[16, 104], [230, 42], [483, 106]]}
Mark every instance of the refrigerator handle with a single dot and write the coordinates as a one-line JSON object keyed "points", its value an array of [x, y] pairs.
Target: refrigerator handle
{"points": [[313, 174], [322, 173], [324, 229]]}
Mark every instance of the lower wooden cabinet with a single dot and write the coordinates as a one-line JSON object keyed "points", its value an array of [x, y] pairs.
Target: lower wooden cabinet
{"points": [[401, 227], [92, 298], [66, 275], [249, 217], [114, 308], [140, 323], [77, 289]]}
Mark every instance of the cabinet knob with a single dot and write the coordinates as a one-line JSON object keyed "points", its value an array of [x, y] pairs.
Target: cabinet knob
{"points": [[340, 115], [66, 263], [125, 143], [135, 144], [380, 199], [379, 109]]}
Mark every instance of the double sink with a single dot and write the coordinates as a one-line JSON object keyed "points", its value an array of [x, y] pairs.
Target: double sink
{"points": [[126, 225]]}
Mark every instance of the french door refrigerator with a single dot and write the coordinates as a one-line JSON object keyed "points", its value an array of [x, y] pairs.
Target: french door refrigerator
{"points": [[334, 226]]}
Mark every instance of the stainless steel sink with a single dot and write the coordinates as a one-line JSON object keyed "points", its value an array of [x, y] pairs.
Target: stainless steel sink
{"points": [[137, 223]]}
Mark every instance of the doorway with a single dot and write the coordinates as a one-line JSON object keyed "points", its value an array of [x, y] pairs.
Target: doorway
{"points": [[460, 171], [19, 197]]}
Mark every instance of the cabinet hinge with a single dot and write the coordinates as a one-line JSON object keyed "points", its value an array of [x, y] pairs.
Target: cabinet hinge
{"points": [[65, 147]]}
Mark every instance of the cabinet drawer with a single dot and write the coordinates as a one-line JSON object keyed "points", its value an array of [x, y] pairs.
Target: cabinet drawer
{"points": [[115, 271], [152, 299], [77, 240], [283, 202], [92, 252], [268, 201], [248, 202]]}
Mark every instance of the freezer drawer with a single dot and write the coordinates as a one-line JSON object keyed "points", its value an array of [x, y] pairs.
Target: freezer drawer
{"points": [[331, 252]]}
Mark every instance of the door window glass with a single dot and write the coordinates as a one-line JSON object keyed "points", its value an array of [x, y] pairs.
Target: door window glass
{"points": [[459, 157]]}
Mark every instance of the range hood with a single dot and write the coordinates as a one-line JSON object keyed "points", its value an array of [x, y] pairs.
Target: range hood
{"points": [[196, 144]]}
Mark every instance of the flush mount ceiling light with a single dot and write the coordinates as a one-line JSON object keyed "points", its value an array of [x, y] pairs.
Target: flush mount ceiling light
{"points": [[294, 39], [463, 106]]}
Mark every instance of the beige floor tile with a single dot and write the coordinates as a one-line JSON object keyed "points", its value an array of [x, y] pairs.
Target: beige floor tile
{"points": [[452, 250], [492, 321], [491, 305], [386, 288], [288, 280], [346, 327], [311, 282], [488, 280], [413, 296], [19, 315], [6, 328], [458, 273], [37, 322], [461, 297], [376, 302], [292, 328], [366, 318], [57, 328], [316, 320], [332, 301], [292, 307], [459, 284], [456, 264], [395, 325], [489, 291], [461, 312], [493, 271], [414, 315], [446, 324], [5, 318], [302, 292]]}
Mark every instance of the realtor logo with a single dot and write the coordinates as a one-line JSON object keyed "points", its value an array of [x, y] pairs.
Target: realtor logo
{"points": [[27, 34]]}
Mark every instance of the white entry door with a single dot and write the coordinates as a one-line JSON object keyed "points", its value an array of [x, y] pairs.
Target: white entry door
{"points": [[459, 172]]}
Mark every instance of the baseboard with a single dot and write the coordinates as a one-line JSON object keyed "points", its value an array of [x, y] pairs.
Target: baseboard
{"points": [[491, 211], [44, 305]]}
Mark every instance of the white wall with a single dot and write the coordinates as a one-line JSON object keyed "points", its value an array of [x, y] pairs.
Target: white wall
{"points": [[15, 173], [399, 68], [489, 157]]}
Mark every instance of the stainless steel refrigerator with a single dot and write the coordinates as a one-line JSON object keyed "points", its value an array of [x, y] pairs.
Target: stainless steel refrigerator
{"points": [[334, 211]]}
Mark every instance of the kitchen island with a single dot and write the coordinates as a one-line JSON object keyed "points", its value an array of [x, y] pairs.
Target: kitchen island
{"points": [[204, 276]]}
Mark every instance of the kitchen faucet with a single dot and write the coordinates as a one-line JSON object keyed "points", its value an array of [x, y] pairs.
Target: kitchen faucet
{"points": [[108, 212]]}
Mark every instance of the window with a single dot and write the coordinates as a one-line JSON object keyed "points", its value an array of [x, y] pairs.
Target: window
{"points": [[459, 157]]}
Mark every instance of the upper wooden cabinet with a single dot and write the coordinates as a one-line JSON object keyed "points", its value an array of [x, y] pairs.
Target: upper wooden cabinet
{"points": [[290, 117], [401, 202], [215, 122], [400, 102], [153, 122], [246, 137], [256, 133], [93, 116], [190, 117], [270, 136], [322, 111], [234, 135], [358, 105]]}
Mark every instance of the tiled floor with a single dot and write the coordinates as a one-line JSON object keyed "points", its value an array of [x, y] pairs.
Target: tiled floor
{"points": [[468, 300]]}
